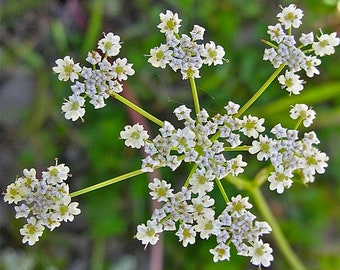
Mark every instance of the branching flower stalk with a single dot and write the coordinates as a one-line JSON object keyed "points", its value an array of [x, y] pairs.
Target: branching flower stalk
{"points": [[212, 145]]}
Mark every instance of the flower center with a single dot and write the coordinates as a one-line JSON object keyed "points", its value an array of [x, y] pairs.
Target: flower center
{"points": [[159, 55]]}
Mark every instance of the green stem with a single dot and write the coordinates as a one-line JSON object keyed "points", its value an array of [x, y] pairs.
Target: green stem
{"points": [[106, 183], [277, 233], [221, 188], [194, 95], [260, 91], [193, 169], [269, 44], [238, 148], [137, 109], [298, 123]]}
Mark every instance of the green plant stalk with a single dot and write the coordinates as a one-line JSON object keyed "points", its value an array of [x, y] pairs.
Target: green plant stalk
{"points": [[221, 188], [193, 169], [137, 109], [298, 123], [260, 91], [277, 233], [107, 183], [237, 148], [194, 94]]}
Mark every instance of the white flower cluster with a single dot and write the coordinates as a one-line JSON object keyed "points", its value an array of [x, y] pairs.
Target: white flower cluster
{"points": [[183, 52], [42, 202], [296, 57], [201, 142], [289, 154], [99, 81], [191, 213], [194, 143]]}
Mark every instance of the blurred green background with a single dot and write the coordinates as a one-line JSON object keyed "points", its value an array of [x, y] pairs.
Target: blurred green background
{"points": [[33, 131]]}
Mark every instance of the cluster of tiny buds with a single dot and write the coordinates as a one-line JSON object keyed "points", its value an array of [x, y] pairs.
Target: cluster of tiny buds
{"points": [[190, 213], [286, 52], [183, 52], [203, 142], [100, 80], [42, 202]]}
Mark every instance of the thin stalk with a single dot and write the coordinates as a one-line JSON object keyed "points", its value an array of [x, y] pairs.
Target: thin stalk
{"points": [[137, 109], [193, 169], [260, 91], [238, 148], [194, 94], [298, 123], [277, 233], [221, 188], [269, 43], [107, 183]]}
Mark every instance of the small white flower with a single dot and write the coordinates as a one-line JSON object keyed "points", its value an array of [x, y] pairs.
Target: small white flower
{"points": [[32, 231], [202, 181], [121, 69], [213, 54], [221, 252], [279, 131], [51, 221], [182, 112], [93, 57], [78, 88], [97, 101], [160, 56], [149, 164], [276, 33], [232, 108], [235, 165], [186, 234], [251, 126], [291, 82], [314, 161], [170, 23], [160, 190], [167, 129], [269, 54], [306, 39], [263, 147], [290, 16], [14, 193], [56, 174], [74, 107], [67, 69], [104, 65], [238, 205], [207, 226], [310, 138], [280, 179], [310, 65], [65, 209], [115, 86], [189, 71], [303, 112], [326, 44], [134, 136], [184, 139], [197, 33], [261, 253], [201, 206], [149, 233], [22, 211], [110, 44]]}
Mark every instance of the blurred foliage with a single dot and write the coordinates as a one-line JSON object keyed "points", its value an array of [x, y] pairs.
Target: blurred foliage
{"points": [[33, 131]]}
